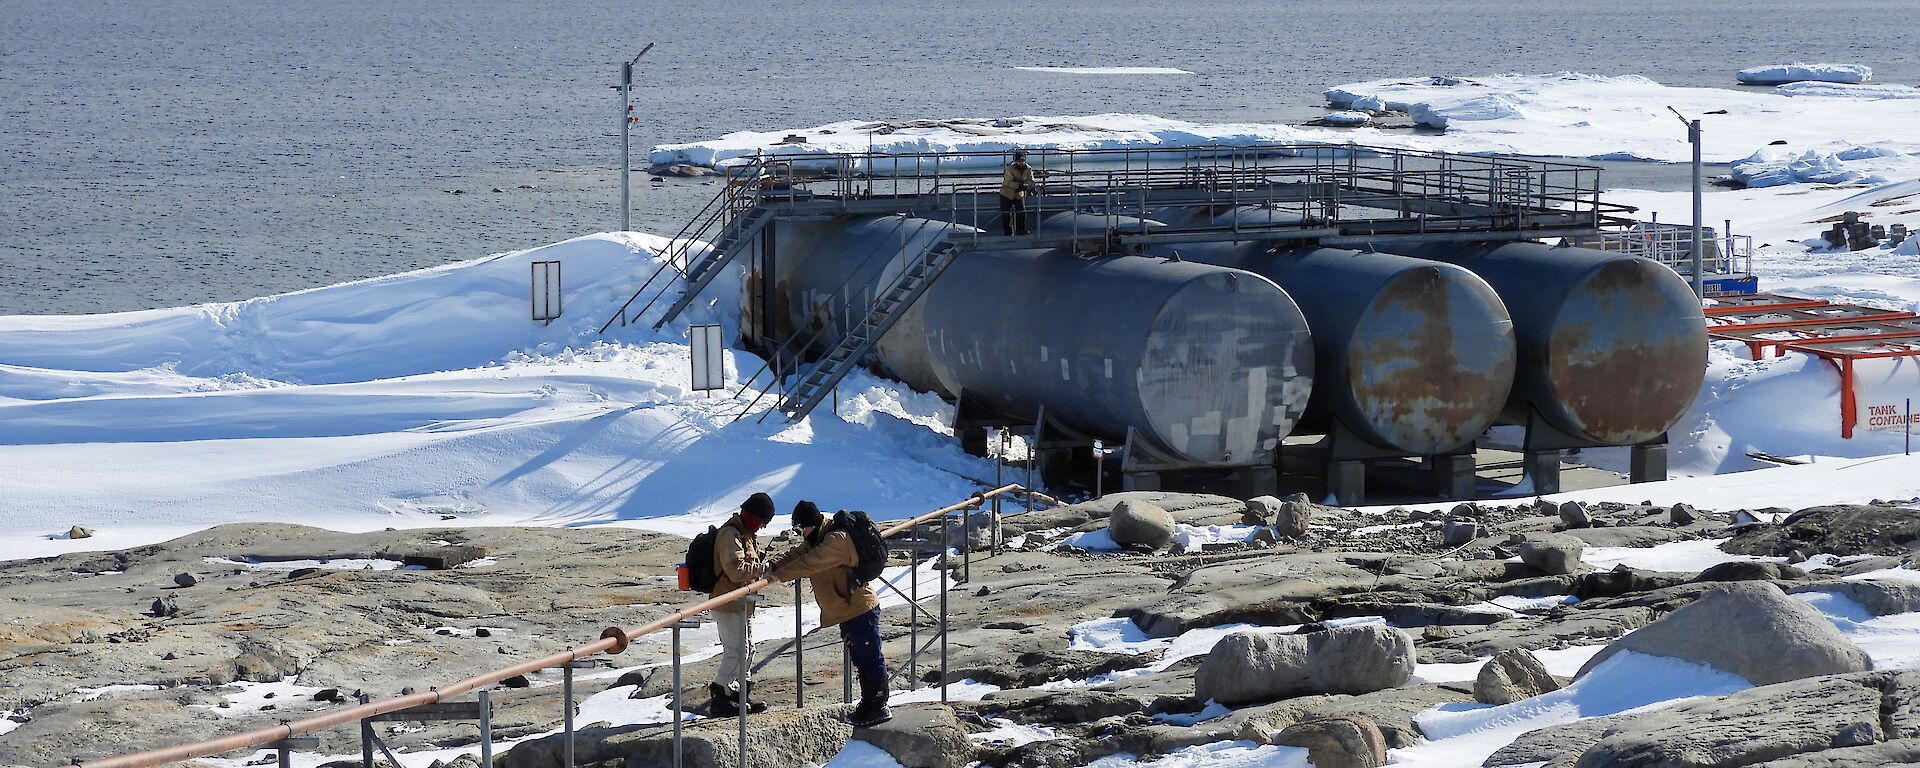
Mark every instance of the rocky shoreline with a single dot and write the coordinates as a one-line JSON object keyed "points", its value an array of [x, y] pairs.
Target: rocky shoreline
{"points": [[1136, 625]]}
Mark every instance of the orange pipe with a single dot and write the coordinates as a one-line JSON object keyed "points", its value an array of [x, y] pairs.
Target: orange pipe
{"points": [[613, 640]]}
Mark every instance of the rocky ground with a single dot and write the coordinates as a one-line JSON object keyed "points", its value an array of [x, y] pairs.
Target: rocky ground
{"points": [[1309, 632]]}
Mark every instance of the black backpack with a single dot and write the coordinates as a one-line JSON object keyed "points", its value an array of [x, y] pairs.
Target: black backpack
{"points": [[702, 574], [867, 543]]}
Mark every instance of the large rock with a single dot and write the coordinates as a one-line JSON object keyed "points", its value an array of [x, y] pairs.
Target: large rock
{"points": [[1342, 741], [1883, 597], [1510, 676], [1745, 570], [1552, 554], [1750, 629], [1761, 724], [1290, 521], [1140, 524], [1839, 530], [1248, 667], [1573, 514], [1361, 659], [1459, 533], [921, 736]]}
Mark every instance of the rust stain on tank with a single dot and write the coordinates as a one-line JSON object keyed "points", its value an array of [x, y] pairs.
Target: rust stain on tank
{"points": [[1627, 353], [1414, 389]]}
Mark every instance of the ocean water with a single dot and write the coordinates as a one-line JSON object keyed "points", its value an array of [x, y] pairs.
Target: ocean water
{"points": [[157, 154]]}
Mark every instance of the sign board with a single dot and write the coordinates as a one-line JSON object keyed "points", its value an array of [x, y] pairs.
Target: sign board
{"points": [[1882, 388], [709, 357], [546, 291]]}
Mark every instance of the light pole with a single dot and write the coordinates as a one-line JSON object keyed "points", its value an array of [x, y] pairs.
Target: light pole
{"points": [[626, 132], [1699, 239]]}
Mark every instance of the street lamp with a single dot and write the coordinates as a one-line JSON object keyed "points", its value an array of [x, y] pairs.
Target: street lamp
{"points": [[1699, 240], [626, 131]]}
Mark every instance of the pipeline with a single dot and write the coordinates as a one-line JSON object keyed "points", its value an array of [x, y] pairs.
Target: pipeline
{"points": [[612, 641]]}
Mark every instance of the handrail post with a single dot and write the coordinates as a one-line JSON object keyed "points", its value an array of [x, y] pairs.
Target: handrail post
{"points": [[966, 544], [566, 712], [486, 729], [799, 650], [679, 706], [944, 549], [746, 663], [366, 737], [913, 616], [846, 674]]}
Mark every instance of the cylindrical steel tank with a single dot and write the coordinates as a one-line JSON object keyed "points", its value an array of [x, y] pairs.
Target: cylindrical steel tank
{"points": [[1206, 364], [1211, 365], [1612, 348], [1413, 356]]}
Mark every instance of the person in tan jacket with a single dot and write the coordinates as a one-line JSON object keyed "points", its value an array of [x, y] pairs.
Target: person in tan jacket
{"points": [[1015, 183], [736, 563], [827, 557]]}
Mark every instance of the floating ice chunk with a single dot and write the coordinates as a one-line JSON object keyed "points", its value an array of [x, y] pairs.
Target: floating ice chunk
{"points": [[1439, 113], [1771, 167], [1347, 117], [1777, 74], [1845, 90]]}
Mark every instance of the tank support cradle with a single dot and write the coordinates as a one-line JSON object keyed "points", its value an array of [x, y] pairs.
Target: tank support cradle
{"points": [[1143, 469], [1541, 456]]}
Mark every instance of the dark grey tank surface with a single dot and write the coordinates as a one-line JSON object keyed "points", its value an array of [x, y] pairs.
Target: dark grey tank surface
{"points": [[1208, 364], [1410, 355], [1612, 348]]}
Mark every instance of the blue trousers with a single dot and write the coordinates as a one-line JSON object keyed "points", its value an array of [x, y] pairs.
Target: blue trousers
{"points": [[862, 636]]}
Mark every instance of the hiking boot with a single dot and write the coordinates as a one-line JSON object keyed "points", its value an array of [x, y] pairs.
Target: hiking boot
{"points": [[872, 709], [746, 695], [721, 705]]}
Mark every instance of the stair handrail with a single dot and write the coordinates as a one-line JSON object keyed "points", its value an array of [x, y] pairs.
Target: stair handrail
{"points": [[720, 209], [747, 383], [942, 247]]}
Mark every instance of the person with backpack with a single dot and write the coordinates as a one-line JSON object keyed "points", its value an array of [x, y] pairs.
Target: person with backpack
{"points": [[830, 555], [736, 563]]}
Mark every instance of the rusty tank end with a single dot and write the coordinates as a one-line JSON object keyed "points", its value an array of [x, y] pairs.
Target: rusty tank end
{"points": [[1612, 348]]}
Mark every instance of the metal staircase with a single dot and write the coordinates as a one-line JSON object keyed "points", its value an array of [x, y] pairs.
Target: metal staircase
{"points": [[817, 380], [730, 222]]}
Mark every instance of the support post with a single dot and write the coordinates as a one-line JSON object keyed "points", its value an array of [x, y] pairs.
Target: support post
{"points": [[944, 549], [1848, 408], [1699, 217], [1099, 467], [281, 758], [846, 673], [1543, 468], [486, 729], [913, 588], [1647, 463], [1347, 481], [566, 712], [1453, 475], [799, 651], [366, 737], [746, 663], [679, 706]]}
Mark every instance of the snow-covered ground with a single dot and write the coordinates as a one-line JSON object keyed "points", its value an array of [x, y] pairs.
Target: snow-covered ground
{"points": [[422, 399]]}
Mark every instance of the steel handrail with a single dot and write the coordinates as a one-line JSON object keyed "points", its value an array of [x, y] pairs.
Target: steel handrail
{"points": [[681, 243], [612, 641]]}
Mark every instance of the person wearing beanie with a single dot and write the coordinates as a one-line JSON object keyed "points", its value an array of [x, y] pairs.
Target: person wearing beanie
{"points": [[827, 556], [736, 563]]}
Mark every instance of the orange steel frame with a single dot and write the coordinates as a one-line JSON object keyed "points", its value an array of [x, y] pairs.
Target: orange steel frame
{"points": [[1898, 341]]}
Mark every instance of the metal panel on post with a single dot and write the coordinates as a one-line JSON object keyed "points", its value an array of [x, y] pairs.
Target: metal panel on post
{"points": [[709, 357]]}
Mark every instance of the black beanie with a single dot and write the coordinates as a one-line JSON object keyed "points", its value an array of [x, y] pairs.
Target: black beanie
{"points": [[806, 515], [758, 506]]}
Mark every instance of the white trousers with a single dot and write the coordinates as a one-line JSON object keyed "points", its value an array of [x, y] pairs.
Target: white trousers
{"points": [[733, 647]]}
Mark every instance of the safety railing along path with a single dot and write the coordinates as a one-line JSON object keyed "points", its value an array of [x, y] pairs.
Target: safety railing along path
{"points": [[439, 704]]}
